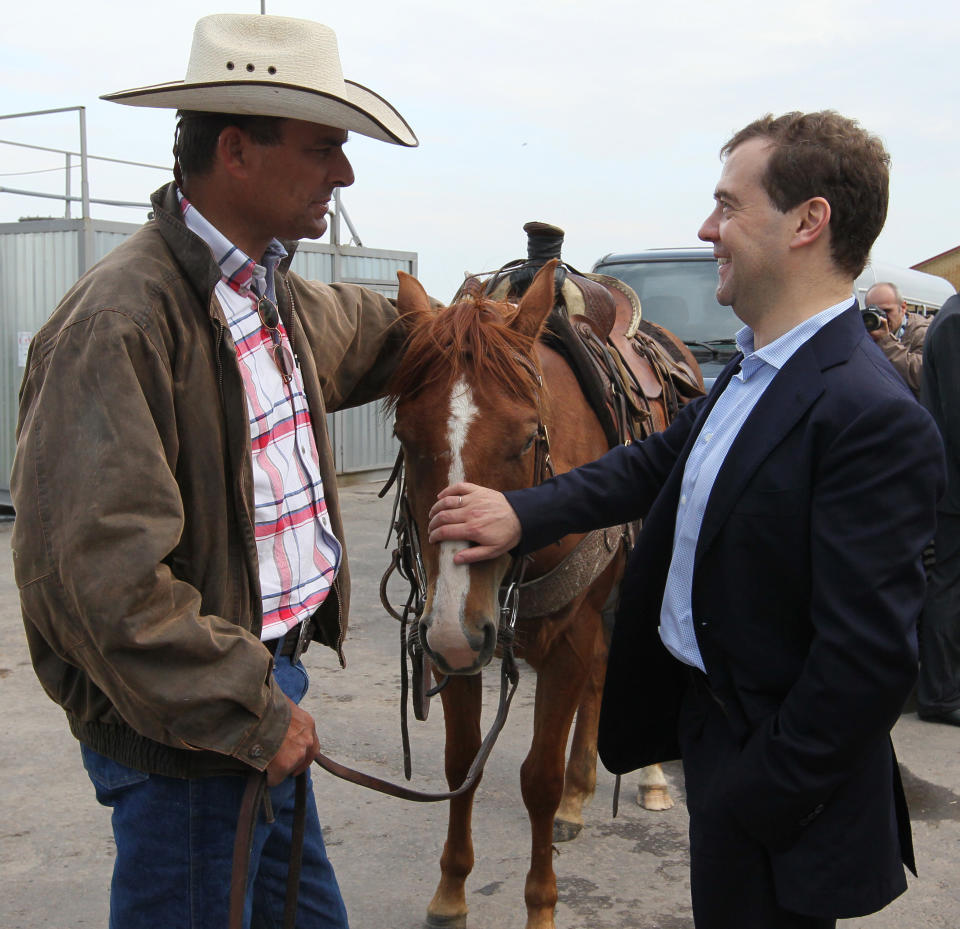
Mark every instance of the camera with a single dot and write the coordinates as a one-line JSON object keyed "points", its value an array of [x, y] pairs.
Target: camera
{"points": [[873, 317]]}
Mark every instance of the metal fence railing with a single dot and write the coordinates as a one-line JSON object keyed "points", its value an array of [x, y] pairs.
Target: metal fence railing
{"points": [[68, 197]]}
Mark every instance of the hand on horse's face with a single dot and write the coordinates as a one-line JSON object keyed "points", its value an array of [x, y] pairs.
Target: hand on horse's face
{"points": [[469, 513]]}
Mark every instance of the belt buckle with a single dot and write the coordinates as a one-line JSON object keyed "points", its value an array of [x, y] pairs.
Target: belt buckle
{"points": [[303, 640]]}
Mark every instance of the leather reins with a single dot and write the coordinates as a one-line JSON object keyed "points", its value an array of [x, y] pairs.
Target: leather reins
{"points": [[256, 794]]}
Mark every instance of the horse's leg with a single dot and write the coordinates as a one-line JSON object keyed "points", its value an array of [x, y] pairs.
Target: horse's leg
{"points": [[462, 699], [560, 680], [653, 793], [580, 779]]}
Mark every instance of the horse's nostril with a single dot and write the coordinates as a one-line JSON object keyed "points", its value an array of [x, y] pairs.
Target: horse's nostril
{"points": [[489, 640]]}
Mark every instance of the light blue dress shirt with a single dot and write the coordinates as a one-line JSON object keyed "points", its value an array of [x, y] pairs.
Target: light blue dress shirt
{"points": [[721, 428]]}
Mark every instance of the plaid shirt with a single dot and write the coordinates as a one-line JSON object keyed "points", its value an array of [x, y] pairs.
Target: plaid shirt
{"points": [[299, 555]]}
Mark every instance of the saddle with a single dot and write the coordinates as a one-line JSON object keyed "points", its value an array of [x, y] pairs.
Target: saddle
{"points": [[632, 372]]}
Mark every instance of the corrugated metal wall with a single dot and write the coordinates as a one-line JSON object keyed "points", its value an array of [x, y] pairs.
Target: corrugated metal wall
{"points": [[39, 263], [362, 438], [37, 267]]}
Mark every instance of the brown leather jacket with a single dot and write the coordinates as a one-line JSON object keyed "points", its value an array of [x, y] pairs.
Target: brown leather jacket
{"points": [[134, 543], [906, 355]]}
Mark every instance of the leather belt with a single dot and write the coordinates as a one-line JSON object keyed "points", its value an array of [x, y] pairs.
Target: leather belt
{"points": [[296, 641]]}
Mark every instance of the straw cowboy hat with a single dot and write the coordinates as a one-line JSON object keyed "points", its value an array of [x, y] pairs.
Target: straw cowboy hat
{"points": [[261, 65]]}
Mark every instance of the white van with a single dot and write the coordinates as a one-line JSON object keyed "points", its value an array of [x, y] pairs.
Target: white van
{"points": [[924, 293], [677, 289]]}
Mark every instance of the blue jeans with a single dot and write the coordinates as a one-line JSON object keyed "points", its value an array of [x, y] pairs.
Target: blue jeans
{"points": [[175, 838]]}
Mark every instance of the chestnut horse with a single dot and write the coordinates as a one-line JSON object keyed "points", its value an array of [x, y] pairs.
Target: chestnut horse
{"points": [[472, 397]]}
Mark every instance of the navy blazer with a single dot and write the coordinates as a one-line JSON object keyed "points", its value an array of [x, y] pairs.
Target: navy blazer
{"points": [[807, 585], [940, 388]]}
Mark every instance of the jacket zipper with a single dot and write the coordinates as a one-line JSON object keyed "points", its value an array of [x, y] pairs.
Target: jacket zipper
{"points": [[218, 328], [341, 634], [293, 307]]}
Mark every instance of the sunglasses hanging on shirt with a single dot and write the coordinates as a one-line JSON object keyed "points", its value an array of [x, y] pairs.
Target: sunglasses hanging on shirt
{"points": [[270, 320]]}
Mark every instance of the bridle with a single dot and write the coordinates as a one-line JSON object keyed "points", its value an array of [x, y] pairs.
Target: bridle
{"points": [[407, 563]]}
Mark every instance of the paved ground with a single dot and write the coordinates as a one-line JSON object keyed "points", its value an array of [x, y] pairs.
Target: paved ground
{"points": [[626, 873]]}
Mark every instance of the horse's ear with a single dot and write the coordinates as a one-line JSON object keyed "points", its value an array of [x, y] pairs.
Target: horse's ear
{"points": [[412, 299], [537, 302]]}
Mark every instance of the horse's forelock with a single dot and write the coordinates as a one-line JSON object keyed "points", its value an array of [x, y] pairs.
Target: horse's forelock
{"points": [[470, 339]]}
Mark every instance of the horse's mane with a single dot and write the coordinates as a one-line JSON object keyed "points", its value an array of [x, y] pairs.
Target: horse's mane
{"points": [[471, 339]]}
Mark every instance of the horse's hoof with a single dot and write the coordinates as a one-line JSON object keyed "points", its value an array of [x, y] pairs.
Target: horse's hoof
{"points": [[564, 831], [656, 798], [446, 922]]}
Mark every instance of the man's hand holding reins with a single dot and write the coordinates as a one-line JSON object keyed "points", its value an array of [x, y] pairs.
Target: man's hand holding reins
{"points": [[299, 748], [470, 513]]}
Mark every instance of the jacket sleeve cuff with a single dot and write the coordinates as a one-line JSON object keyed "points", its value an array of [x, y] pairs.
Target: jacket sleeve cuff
{"points": [[263, 741]]}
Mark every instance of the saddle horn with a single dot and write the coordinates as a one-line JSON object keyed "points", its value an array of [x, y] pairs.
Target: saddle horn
{"points": [[544, 242]]}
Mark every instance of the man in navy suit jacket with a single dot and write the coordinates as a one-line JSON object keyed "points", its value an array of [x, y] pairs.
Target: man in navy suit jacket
{"points": [[766, 631], [938, 690]]}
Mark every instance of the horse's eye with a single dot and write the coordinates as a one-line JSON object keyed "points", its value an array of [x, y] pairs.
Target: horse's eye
{"points": [[528, 444]]}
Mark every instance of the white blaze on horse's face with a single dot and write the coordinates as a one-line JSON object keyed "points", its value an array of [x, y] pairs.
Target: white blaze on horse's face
{"points": [[448, 640]]}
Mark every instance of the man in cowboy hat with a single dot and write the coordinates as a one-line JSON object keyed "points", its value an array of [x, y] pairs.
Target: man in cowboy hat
{"points": [[178, 541]]}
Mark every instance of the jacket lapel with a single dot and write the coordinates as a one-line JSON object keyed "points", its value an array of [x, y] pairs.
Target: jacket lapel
{"points": [[791, 393], [708, 404]]}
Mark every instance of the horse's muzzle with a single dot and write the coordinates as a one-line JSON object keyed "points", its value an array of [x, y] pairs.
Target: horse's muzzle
{"points": [[455, 650]]}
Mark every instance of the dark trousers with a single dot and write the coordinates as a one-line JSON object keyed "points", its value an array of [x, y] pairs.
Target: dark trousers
{"points": [[731, 879], [938, 690]]}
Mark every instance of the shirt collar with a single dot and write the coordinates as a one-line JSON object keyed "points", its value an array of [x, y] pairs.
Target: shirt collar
{"points": [[237, 269], [778, 352]]}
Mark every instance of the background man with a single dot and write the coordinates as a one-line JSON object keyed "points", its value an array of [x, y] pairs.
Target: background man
{"points": [[901, 334], [938, 691], [178, 541], [768, 611]]}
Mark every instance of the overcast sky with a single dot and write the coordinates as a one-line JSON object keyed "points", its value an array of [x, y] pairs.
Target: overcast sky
{"points": [[602, 117]]}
